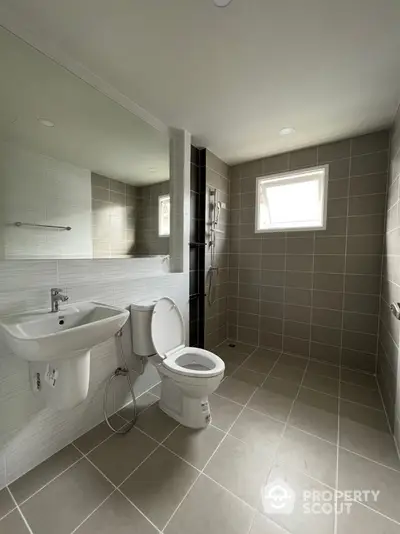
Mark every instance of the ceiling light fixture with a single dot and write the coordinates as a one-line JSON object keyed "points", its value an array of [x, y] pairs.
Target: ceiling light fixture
{"points": [[46, 122], [222, 3], [287, 131]]}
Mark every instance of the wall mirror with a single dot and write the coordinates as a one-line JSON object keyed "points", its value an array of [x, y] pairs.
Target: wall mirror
{"points": [[80, 176]]}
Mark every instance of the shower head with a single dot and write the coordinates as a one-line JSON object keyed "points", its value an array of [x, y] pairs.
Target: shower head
{"points": [[218, 211]]}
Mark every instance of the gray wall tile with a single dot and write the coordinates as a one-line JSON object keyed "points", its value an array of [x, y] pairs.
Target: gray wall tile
{"points": [[315, 283], [369, 164], [368, 143], [368, 185], [332, 151]]}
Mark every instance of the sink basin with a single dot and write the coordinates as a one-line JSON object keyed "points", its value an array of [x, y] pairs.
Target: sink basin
{"points": [[57, 347], [45, 336]]}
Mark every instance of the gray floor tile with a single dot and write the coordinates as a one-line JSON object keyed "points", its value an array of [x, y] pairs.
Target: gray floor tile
{"points": [[365, 431], [238, 347], [236, 390], [194, 446], [299, 521], [323, 369], [6, 502], [156, 423], [156, 390], [28, 484], [13, 524], [263, 525], [116, 515], [121, 454], [367, 396], [232, 355], [230, 368], [211, 509], [362, 519], [241, 468], [262, 360], [98, 434], [223, 412], [142, 403], [357, 472], [321, 383], [358, 378], [275, 398], [293, 361], [311, 455], [287, 372], [159, 485], [258, 429], [316, 413], [251, 377], [67, 501]]}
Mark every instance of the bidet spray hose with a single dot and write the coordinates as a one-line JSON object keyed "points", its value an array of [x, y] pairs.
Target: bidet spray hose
{"points": [[121, 371]]}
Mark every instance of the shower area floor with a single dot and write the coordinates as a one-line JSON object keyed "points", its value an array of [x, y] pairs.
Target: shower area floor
{"points": [[295, 446]]}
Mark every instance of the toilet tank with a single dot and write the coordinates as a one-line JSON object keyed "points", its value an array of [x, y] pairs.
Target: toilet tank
{"points": [[141, 313]]}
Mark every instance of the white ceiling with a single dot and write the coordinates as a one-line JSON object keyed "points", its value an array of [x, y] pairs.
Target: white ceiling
{"points": [[91, 131], [234, 77]]}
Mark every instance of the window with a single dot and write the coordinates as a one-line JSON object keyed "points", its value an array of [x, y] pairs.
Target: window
{"points": [[164, 210], [294, 200]]}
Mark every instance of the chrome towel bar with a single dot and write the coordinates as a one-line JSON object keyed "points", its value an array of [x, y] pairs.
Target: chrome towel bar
{"points": [[19, 223]]}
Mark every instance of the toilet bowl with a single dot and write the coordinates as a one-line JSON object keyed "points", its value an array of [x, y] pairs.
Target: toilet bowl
{"points": [[188, 374]]}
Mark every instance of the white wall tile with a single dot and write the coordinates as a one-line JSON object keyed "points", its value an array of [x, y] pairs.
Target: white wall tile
{"points": [[31, 432]]}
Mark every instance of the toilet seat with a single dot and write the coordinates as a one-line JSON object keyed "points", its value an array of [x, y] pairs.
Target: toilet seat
{"points": [[168, 337], [185, 360]]}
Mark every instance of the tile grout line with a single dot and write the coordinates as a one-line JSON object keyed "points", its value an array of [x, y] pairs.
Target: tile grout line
{"points": [[94, 511], [310, 336], [388, 421], [200, 472], [50, 481], [305, 387], [384, 253], [20, 512], [284, 286], [378, 512], [341, 341], [314, 435], [72, 443], [286, 423], [236, 438], [275, 456], [215, 451], [10, 511], [117, 487]]}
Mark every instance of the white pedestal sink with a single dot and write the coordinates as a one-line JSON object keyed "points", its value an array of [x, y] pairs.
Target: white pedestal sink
{"points": [[57, 347]]}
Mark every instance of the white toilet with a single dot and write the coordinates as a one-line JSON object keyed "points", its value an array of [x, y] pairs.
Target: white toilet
{"points": [[188, 375]]}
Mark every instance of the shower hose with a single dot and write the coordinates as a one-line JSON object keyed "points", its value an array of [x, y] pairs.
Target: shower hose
{"points": [[121, 371]]}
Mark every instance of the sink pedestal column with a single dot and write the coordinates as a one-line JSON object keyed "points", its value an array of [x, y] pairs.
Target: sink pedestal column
{"points": [[62, 383]]}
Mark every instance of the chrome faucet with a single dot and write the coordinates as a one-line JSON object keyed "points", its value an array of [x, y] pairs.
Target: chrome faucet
{"points": [[56, 298]]}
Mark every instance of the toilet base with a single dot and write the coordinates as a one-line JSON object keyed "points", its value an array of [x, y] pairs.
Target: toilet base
{"points": [[188, 411]]}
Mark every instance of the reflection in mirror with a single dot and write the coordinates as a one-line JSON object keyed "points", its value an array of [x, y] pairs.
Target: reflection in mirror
{"points": [[80, 176]]}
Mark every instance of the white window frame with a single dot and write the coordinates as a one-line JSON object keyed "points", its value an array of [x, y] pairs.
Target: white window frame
{"points": [[293, 177], [161, 199]]}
